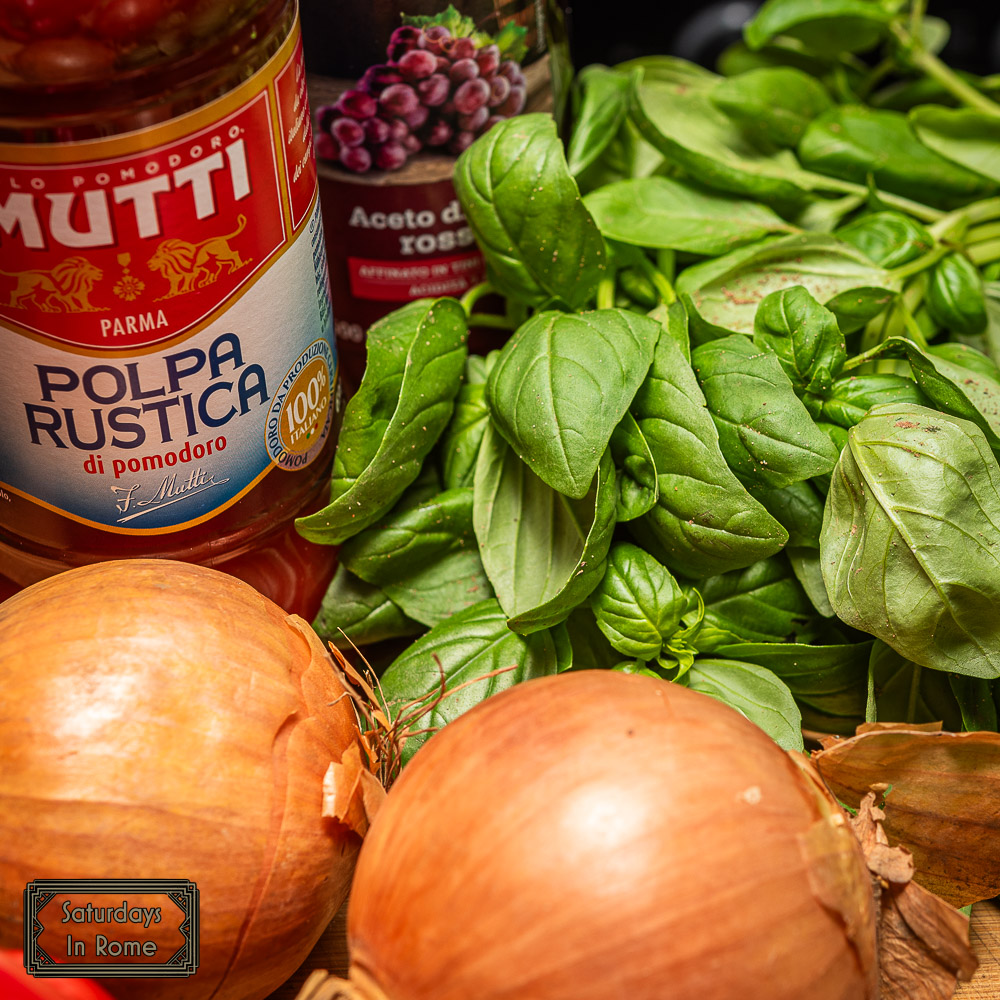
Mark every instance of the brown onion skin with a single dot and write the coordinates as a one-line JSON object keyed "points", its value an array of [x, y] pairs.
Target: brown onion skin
{"points": [[164, 720], [596, 835]]}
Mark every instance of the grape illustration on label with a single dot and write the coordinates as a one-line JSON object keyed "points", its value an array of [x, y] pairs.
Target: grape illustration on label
{"points": [[444, 83]]}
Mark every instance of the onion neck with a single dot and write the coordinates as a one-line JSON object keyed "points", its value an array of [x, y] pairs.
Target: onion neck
{"points": [[363, 986], [323, 986]]}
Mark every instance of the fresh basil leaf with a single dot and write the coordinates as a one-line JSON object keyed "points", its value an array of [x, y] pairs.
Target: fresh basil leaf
{"points": [[739, 58], [704, 520], [762, 603], [463, 649], [666, 213], [907, 692], [692, 133], [823, 215], [838, 435], [706, 271], [677, 325], [966, 357], [975, 699], [851, 397], [856, 307], [543, 552], [636, 285], [773, 104], [679, 649], [356, 612], [426, 486], [803, 335], [988, 342], [956, 297], [638, 485], [805, 562], [765, 431], [600, 96], [798, 509], [907, 94], [559, 635], [727, 291], [952, 388], [827, 681], [700, 331], [405, 400], [911, 538], [424, 558], [964, 136], [591, 650], [460, 442], [887, 238], [674, 70], [638, 604], [855, 142], [538, 239], [562, 383], [627, 155], [825, 27], [754, 692], [933, 33]]}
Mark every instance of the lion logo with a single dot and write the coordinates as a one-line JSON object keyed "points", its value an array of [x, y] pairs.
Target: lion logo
{"points": [[66, 288], [188, 266]]}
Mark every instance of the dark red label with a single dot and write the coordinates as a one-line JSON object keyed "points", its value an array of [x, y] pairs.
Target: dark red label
{"points": [[296, 136], [390, 243], [391, 281]]}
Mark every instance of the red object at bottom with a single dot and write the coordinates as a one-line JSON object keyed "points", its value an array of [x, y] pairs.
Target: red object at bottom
{"points": [[16, 984]]}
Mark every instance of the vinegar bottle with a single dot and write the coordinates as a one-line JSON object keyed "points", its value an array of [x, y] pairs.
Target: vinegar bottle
{"points": [[399, 89], [170, 381]]}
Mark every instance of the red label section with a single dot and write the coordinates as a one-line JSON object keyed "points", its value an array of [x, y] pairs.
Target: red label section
{"points": [[296, 135], [391, 281], [130, 251]]}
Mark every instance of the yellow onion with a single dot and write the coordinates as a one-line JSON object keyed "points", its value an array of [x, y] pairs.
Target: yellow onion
{"points": [[595, 835], [164, 720]]}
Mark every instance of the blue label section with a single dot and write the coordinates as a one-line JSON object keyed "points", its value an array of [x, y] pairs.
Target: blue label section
{"points": [[156, 441]]}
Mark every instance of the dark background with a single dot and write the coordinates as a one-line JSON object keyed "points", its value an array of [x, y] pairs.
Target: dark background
{"points": [[338, 35], [611, 33]]}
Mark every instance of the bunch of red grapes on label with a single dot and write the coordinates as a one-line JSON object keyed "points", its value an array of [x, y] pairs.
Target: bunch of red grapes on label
{"points": [[436, 91]]}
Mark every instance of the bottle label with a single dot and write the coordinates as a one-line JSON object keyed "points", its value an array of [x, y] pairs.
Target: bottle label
{"points": [[165, 310], [392, 244], [424, 82]]}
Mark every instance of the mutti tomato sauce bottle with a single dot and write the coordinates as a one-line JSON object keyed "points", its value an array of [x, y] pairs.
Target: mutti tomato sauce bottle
{"points": [[169, 384]]}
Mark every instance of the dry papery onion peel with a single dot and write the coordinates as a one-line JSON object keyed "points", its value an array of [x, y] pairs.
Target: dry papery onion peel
{"points": [[943, 803], [595, 835]]}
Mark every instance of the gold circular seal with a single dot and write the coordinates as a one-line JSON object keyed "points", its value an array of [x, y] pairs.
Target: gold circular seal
{"points": [[304, 412]]}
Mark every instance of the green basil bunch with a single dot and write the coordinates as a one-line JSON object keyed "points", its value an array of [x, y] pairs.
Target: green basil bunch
{"points": [[743, 434]]}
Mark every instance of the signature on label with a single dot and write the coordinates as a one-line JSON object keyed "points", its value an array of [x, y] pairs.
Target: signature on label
{"points": [[170, 490]]}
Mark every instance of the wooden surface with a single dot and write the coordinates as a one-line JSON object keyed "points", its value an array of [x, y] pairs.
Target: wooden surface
{"points": [[985, 937], [330, 953]]}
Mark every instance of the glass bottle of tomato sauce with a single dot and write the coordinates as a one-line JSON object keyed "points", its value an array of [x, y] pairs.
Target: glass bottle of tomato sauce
{"points": [[169, 378]]}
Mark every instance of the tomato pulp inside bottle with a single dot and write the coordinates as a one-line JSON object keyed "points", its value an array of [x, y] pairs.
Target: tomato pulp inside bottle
{"points": [[157, 195]]}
